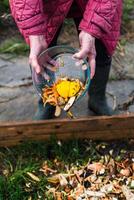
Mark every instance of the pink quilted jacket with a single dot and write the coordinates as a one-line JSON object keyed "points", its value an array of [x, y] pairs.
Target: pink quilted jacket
{"points": [[101, 18]]}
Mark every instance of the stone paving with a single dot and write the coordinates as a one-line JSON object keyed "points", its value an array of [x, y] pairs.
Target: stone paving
{"points": [[18, 99]]}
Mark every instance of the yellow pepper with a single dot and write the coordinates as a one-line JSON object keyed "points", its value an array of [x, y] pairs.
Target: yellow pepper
{"points": [[68, 88]]}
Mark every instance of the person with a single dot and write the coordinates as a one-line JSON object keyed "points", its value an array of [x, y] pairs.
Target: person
{"points": [[98, 23]]}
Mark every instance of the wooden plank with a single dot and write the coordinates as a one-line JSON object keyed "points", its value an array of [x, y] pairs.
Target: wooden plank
{"points": [[102, 128]]}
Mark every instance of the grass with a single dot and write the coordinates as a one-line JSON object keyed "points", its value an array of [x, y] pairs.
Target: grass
{"points": [[15, 46], [15, 162], [128, 6]]}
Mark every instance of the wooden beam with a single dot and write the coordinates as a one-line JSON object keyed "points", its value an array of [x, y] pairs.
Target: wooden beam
{"points": [[98, 128]]}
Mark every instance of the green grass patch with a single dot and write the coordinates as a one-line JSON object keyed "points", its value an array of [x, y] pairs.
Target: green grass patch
{"points": [[29, 157], [128, 6], [14, 46]]}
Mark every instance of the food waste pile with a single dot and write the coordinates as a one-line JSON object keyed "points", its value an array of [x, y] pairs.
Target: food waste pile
{"points": [[62, 94]]}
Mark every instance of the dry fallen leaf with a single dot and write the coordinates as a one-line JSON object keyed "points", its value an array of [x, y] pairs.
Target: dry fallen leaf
{"points": [[127, 193], [53, 179], [125, 172], [95, 193], [79, 191], [96, 167], [35, 178], [100, 180], [58, 196], [63, 180], [47, 170]]}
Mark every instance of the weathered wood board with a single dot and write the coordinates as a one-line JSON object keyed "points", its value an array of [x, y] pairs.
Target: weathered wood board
{"points": [[96, 128]]}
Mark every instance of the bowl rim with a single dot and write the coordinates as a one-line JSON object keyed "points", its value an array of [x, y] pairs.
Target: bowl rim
{"points": [[58, 46]]}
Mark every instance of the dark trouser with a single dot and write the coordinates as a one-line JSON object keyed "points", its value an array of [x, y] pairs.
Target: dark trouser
{"points": [[103, 64], [97, 90]]}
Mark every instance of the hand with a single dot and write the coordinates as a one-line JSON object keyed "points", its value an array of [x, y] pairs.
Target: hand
{"points": [[37, 45], [87, 43]]}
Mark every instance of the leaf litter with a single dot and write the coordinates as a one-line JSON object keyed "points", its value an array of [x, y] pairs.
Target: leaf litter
{"points": [[105, 172], [109, 178]]}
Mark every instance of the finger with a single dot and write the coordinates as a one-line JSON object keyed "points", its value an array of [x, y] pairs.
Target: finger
{"points": [[81, 54], [35, 65], [80, 39], [46, 76], [37, 78], [52, 68], [47, 62], [51, 61], [92, 64]]}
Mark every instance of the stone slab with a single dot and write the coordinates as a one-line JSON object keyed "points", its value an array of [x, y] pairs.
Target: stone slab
{"points": [[18, 99]]}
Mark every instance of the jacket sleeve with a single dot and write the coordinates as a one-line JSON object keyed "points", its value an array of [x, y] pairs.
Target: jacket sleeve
{"points": [[98, 17], [29, 16]]}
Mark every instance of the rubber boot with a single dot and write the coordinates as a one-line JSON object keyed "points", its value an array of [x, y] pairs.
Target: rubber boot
{"points": [[97, 90], [46, 112]]}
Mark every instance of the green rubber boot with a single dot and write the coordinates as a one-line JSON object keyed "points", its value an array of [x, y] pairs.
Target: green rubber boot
{"points": [[97, 97], [46, 112]]}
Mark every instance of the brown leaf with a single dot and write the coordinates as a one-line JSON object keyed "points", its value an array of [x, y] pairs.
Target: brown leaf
{"points": [[127, 193], [79, 191], [53, 179], [63, 180], [96, 167], [125, 172], [35, 178], [58, 196]]}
